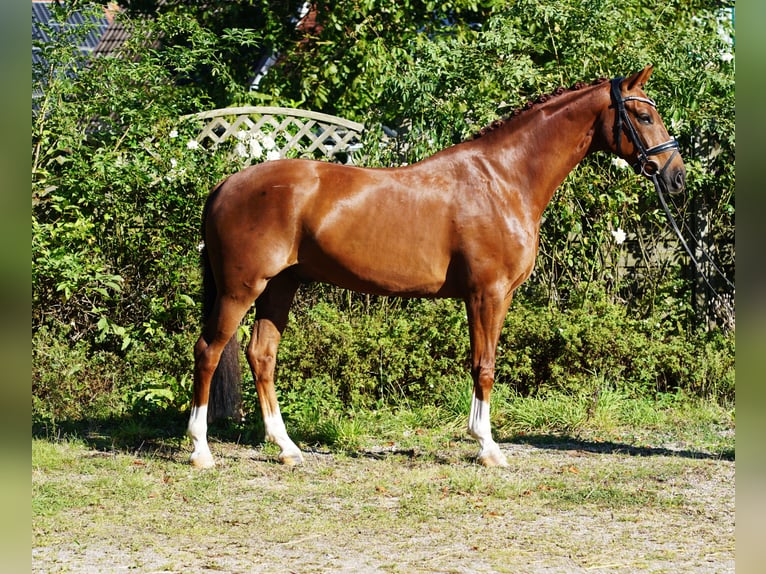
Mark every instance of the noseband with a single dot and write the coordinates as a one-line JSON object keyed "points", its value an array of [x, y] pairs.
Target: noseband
{"points": [[645, 165]]}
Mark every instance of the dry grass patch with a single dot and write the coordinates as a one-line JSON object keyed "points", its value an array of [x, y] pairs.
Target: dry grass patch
{"points": [[555, 509]]}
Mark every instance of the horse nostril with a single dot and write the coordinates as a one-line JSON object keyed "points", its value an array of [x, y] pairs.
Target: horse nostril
{"points": [[679, 181]]}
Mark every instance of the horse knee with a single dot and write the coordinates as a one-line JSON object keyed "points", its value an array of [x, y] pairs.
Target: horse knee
{"points": [[483, 379], [484, 373]]}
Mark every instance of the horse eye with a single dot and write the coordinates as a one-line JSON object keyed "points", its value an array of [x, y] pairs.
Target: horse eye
{"points": [[645, 118]]}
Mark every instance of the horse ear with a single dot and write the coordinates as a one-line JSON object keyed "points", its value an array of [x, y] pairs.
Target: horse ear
{"points": [[639, 79]]}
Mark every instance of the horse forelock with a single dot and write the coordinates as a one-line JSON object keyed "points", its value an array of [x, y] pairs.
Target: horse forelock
{"points": [[498, 123]]}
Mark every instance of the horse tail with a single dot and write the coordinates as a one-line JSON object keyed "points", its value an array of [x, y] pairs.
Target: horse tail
{"points": [[226, 387]]}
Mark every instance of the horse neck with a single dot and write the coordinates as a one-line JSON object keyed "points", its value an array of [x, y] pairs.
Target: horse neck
{"points": [[535, 151]]}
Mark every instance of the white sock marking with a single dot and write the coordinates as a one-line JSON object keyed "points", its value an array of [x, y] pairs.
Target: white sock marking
{"points": [[277, 433], [478, 422], [480, 428], [197, 431]]}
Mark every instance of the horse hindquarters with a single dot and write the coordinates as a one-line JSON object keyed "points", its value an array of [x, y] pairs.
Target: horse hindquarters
{"points": [[231, 282]]}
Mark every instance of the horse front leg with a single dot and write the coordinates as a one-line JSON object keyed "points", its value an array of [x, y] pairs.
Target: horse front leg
{"points": [[486, 312], [271, 318]]}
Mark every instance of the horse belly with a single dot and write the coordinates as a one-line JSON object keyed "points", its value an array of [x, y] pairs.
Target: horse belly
{"points": [[380, 252]]}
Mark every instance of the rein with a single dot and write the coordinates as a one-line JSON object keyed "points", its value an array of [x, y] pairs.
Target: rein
{"points": [[650, 169], [678, 233]]}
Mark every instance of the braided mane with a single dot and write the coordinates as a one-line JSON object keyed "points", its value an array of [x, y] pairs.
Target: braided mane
{"points": [[530, 104]]}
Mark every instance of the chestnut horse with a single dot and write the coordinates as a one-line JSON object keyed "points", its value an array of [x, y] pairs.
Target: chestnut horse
{"points": [[463, 223]]}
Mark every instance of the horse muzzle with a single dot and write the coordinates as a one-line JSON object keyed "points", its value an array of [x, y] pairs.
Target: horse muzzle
{"points": [[671, 175], [675, 180], [672, 179]]}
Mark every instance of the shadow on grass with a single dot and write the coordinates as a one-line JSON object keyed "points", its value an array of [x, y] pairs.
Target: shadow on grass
{"points": [[164, 436], [156, 435], [559, 442]]}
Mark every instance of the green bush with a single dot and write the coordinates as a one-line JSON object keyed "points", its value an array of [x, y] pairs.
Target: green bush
{"points": [[364, 353], [118, 188], [369, 353], [387, 350], [545, 349], [73, 381]]}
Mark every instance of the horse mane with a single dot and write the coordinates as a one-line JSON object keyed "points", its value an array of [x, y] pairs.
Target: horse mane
{"points": [[532, 103]]}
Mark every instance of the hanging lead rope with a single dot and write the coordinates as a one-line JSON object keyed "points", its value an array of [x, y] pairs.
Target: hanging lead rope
{"points": [[678, 233]]}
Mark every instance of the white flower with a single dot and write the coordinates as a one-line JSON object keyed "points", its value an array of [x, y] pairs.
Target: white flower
{"points": [[173, 133], [272, 155], [619, 162], [192, 144], [173, 162], [619, 236], [242, 135], [200, 246], [727, 57], [255, 149], [269, 143], [241, 150]]}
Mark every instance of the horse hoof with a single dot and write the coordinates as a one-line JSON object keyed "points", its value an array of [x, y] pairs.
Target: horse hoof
{"points": [[291, 459], [202, 461], [492, 458]]}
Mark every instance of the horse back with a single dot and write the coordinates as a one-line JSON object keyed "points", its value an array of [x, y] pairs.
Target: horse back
{"points": [[399, 231]]}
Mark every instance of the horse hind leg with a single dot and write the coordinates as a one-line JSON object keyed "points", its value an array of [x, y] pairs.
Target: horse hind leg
{"points": [[221, 326], [272, 309]]}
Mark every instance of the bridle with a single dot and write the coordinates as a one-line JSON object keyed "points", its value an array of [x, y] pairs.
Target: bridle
{"points": [[650, 169], [645, 165]]}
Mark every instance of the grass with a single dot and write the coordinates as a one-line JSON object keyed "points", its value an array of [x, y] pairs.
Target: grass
{"points": [[676, 422], [397, 490]]}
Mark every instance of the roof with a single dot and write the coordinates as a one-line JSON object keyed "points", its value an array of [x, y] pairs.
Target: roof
{"points": [[112, 39], [43, 20], [103, 38], [107, 37]]}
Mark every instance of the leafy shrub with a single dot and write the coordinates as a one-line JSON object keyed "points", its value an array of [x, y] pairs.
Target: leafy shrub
{"points": [[69, 383], [118, 187], [388, 350], [371, 352], [73, 381], [568, 349]]}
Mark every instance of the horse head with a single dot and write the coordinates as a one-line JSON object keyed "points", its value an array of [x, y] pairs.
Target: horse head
{"points": [[638, 134]]}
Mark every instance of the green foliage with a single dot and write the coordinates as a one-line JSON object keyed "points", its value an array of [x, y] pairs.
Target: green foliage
{"points": [[340, 63], [68, 383], [373, 352], [416, 352], [117, 191], [118, 187], [600, 346], [212, 47]]}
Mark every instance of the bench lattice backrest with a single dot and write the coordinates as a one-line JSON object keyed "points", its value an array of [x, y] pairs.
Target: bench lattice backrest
{"points": [[286, 131]]}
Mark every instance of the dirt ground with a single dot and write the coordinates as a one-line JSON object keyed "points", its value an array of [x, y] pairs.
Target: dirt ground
{"points": [[560, 507]]}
